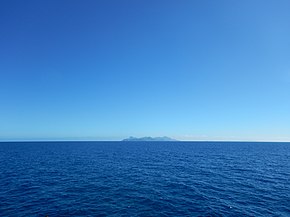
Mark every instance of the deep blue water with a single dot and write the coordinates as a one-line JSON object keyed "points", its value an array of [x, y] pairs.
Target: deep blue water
{"points": [[144, 179]]}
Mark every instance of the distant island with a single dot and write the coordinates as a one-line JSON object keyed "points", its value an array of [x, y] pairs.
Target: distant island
{"points": [[148, 139]]}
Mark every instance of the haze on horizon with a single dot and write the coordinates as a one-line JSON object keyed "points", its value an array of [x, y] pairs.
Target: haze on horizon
{"points": [[107, 70]]}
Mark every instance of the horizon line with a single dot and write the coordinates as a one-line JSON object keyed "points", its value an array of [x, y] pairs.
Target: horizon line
{"points": [[58, 140]]}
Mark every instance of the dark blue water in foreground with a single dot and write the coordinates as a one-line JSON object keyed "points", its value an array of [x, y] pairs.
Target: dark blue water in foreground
{"points": [[144, 179]]}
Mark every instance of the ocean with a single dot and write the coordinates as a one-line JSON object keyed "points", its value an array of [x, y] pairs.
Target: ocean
{"points": [[144, 179]]}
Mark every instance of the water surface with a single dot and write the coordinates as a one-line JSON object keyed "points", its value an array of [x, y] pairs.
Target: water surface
{"points": [[144, 179]]}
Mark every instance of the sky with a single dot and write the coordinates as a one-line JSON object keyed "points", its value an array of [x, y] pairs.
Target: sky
{"points": [[110, 69]]}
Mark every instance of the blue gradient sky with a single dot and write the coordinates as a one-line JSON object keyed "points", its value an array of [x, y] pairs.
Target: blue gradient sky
{"points": [[105, 70]]}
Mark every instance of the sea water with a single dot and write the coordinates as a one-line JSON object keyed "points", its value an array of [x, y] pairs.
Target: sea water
{"points": [[144, 179]]}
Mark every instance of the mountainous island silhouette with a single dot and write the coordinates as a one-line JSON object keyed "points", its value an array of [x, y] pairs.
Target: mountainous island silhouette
{"points": [[148, 139]]}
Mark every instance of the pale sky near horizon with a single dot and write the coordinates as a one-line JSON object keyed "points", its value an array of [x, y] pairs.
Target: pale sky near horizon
{"points": [[107, 70]]}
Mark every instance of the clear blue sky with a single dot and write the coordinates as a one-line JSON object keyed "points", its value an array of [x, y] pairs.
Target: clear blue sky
{"points": [[105, 70]]}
